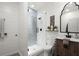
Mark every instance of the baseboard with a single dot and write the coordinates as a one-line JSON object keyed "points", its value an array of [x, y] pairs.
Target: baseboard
{"points": [[20, 53], [8, 54]]}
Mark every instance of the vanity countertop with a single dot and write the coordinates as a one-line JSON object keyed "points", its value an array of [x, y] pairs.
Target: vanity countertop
{"points": [[71, 39]]}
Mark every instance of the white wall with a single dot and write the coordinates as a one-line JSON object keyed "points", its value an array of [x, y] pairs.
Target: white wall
{"points": [[48, 10], [23, 28], [40, 25], [9, 11], [54, 9], [16, 22], [51, 8]]}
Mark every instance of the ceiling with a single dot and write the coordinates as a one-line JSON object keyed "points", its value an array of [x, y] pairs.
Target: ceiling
{"points": [[42, 5]]}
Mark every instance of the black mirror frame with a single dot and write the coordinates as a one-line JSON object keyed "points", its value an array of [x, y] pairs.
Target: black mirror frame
{"points": [[61, 16]]}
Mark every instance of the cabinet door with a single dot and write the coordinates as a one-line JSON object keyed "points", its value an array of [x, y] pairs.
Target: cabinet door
{"points": [[78, 49], [71, 48], [60, 51]]}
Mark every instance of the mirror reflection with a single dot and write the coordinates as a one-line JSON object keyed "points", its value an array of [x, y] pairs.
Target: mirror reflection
{"points": [[70, 17]]}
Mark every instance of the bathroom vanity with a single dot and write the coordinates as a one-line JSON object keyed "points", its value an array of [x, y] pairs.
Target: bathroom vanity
{"points": [[69, 23], [69, 48]]}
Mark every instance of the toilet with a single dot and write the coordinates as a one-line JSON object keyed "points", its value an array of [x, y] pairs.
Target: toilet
{"points": [[36, 50], [47, 50], [49, 43]]}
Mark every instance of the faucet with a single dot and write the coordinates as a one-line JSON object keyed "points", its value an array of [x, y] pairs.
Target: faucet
{"points": [[68, 36]]}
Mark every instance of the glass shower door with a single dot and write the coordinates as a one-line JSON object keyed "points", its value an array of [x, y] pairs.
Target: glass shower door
{"points": [[32, 27]]}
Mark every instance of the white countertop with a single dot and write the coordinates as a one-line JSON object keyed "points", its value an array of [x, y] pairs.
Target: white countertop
{"points": [[71, 39]]}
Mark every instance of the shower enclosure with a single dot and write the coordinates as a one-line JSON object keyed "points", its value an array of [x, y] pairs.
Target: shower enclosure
{"points": [[32, 26]]}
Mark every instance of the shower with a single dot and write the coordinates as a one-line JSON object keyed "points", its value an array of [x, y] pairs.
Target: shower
{"points": [[32, 26]]}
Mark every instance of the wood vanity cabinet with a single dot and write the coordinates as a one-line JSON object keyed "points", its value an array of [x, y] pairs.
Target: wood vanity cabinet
{"points": [[71, 50]]}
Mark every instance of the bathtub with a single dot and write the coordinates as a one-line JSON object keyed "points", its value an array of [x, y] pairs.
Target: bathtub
{"points": [[35, 50]]}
